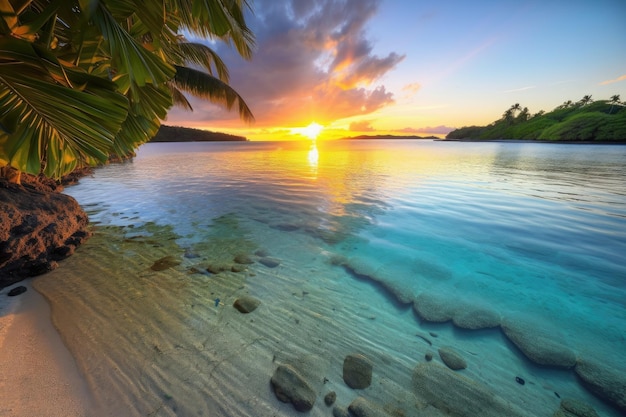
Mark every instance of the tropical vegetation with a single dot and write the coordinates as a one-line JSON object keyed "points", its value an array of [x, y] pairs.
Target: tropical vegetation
{"points": [[81, 80], [585, 120]]}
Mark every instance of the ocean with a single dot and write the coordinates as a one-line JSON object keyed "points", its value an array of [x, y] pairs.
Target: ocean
{"points": [[510, 254]]}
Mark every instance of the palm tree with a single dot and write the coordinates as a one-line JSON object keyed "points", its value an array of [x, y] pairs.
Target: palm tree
{"points": [[614, 100], [585, 100], [80, 83]]}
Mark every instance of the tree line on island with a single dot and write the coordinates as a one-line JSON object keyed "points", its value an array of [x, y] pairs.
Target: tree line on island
{"points": [[583, 121], [186, 134]]}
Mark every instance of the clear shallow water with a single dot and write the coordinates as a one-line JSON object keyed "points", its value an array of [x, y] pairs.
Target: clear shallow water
{"points": [[531, 231]]}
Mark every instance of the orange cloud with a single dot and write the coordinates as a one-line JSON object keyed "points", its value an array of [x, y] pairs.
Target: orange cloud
{"points": [[618, 79]]}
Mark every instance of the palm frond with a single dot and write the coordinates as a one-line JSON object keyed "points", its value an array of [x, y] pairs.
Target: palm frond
{"points": [[205, 86]]}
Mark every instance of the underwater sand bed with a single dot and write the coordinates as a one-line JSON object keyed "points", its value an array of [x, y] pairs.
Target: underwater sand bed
{"points": [[156, 333]]}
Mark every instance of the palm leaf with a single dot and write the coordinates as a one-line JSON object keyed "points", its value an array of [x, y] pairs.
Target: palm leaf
{"points": [[206, 86]]}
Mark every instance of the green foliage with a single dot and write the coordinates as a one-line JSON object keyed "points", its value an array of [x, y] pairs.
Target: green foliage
{"points": [[586, 120], [81, 80]]}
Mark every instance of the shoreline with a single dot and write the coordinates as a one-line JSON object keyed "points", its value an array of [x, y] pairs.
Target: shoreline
{"points": [[40, 376]]}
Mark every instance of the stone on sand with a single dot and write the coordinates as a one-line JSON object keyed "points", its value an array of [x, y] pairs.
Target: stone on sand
{"points": [[362, 407], [433, 308], [452, 358], [330, 398], [540, 346], [357, 371], [290, 387], [574, 408], [165, 263], [458, 395], [244, 259], [246, 304], [607, 383]]}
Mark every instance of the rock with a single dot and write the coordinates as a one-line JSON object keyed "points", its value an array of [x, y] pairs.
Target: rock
{"points": [[539, 346], [237, 268], [357, 371], [428, 356], [457, 395], [165, 263], [361, 407], [246, 304], [17, 291], [574, 408], [432, 308], [262, 253], [290, 387], [330, 398], [269, 262], [474, 319], [216, 268], [340, 412], [243, 259], [38, 226], [608, 383], [452, 358]]}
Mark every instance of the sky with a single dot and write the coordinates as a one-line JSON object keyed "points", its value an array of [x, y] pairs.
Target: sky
{"points": [[414, 67]]}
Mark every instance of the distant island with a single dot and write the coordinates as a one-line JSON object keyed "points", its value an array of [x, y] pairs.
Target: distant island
{"points": [[388, 137], [185, 134], [583, 121]]}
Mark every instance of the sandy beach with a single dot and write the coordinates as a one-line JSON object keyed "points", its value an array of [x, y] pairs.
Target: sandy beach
{"points": [[39, 376]]}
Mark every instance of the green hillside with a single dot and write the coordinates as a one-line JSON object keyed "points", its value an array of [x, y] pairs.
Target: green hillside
{"points": [[586, 120]]}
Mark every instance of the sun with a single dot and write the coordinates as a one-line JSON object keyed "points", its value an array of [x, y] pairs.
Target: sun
{"points": [[311, 131]]}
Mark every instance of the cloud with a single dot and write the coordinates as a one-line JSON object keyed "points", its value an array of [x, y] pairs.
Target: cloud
{"points": [[618, 79], [363, 126], [412, 88], [313, 61], [516, 90]]}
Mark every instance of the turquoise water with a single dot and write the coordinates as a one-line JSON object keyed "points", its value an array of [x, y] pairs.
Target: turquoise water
{"points": [[536, 232]]}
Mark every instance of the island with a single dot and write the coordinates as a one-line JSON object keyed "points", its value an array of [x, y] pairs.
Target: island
{"points": [[374, 137], [583, 121], [185, 134]]}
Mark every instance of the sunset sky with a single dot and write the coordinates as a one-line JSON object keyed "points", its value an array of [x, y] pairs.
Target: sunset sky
{"points": [[415, 66]]}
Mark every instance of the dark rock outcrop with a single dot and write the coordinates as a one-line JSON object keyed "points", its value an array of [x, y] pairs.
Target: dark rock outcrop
{"points": [[362, 407], [38, 226]]}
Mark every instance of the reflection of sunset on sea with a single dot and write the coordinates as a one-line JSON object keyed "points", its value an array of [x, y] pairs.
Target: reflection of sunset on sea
{"points": [[372, 67]]}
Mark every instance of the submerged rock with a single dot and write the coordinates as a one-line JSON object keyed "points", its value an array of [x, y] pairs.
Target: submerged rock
{"points": [[361, 407], [269, 262], [165, 263], [432, 308], [607, 383], [330, 398], [452, 358], [290, 387], [458, 395], [243, 259], [357, 371], [475, 318], [246, 304], [539, 346], [575, 408]]}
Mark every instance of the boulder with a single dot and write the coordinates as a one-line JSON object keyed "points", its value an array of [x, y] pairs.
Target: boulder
{"points": [[540, 346], [330, 398], [17, 291], [457, 395], [38, 226], [357, 371], [243, 259], [452, 358], [290, 387], [608, 383], [246, 304]]}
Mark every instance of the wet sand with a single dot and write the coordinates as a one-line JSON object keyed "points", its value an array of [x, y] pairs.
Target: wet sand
{"points": [[38, 376]]}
